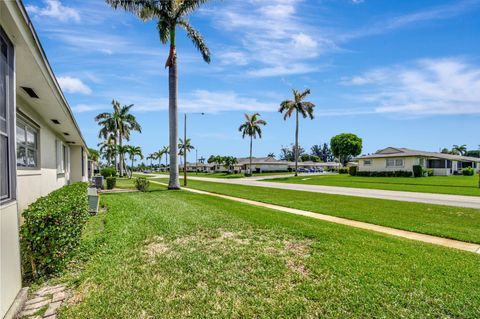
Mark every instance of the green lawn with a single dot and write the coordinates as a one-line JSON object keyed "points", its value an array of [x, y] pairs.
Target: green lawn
{"points": [[445, 221], [226, 175], [167, 254], [456, 185]]}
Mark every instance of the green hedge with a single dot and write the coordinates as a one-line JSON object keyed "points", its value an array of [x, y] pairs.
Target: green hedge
{"points": [[468, 171], [111, 182], [108, 172], [142, 184], [52, 228], [352, 170], [385, 174], [343, 170], [417, 171]]}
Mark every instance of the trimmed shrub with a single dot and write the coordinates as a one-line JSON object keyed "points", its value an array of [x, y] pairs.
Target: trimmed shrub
{"points": [[52, 228], [429, 172], [469, 171], [417, 171], [142, 184], [352, 170], [385, 174], [108, 172], [111, 182], [343, 170]]}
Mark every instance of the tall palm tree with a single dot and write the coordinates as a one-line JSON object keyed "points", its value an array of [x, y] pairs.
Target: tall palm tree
{"points": [[120, 122], [297, 105], [134, 151], [459, 149], [169, 14], [251, 127]]}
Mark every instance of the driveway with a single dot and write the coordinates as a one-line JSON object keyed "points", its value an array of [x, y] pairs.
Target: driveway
{"points": [[429, 198]]}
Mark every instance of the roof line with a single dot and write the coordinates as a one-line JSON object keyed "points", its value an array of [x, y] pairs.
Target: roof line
{"points": [[49, 67]]}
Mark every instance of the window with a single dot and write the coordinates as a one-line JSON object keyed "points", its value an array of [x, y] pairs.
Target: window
{"points": [[367, 162], [82, 154], [394, 162], [27, 145], [7, 120], [60, 157]]}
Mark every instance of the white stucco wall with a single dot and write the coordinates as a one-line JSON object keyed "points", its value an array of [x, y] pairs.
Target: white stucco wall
{"points": [[380, 165], [10, 276], [76, 164]]}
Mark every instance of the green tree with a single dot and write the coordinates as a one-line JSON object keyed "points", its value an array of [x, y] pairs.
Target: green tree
{"points": [[108, 149], [134, 151], [230, 162], [459, 149], [345, 146], [288, 153], [297, 105], [169, 15], [252, 128], [121, 151], [120, 123]]}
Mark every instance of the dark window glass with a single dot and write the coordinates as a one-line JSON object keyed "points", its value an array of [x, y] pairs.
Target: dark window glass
{"points": [[4, 164], [27, 145]]}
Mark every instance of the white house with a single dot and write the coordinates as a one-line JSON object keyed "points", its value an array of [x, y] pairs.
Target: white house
{"points": [[403, 159], [41, 146]]}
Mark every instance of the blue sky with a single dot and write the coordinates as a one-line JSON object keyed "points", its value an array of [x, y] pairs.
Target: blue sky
{"points": [[396, 73]]}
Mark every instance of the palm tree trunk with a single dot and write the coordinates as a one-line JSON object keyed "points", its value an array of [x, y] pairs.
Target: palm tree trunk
{"points": [[131, 169], [296, 145], [121, 154], [251, 142], [173, 183]]}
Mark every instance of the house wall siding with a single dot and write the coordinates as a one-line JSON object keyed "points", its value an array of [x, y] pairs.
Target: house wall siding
{"points": [[380, 165]]}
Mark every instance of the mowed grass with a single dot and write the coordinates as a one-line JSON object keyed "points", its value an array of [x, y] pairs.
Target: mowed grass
{"points": [[444, 221], [226, 175], [455, 185], [167, 254]]}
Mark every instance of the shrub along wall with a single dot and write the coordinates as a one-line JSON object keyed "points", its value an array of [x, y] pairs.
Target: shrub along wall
{"points": [[52, 229], [386, 174]]}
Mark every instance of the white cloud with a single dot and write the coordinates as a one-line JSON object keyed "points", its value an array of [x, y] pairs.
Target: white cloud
{"points": [[73, 85], [55, 9], [426, 87], [80, 108]]}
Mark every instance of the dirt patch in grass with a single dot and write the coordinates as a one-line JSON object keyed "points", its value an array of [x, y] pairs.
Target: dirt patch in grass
{"points": [[81, 293]]}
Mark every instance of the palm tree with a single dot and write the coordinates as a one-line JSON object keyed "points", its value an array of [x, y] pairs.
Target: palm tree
{"points": [[251, 127], [108, 148], [134, 151], [459, 149], [158, 156], [169, 15], [122, 150], [230, 162], [120, 123], [297, 105], [184, 146], [165, 151], [150, 157]]}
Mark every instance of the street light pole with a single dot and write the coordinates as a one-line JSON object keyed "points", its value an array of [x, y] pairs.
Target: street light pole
{"points": [[185, 150]]}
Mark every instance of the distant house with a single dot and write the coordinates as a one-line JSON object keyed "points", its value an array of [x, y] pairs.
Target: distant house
{"points": [[403, 159], [41, 146]]}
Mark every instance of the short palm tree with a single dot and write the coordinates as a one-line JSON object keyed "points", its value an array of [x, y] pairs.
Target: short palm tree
{"points": [[165, 150], [108, 149], [169, 14], [134, 151], [120, 123], [150, 157], [251, 127], [184, 146], [297, 105], [121, 151]]}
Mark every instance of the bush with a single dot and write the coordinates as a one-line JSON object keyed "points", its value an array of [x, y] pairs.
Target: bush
{"points": [[52, 228], [352, 170], [343, 170], [142, 184], [385, 174], [417, 171], [108, 172], [469, 171], [111, 182], [429, 172]]}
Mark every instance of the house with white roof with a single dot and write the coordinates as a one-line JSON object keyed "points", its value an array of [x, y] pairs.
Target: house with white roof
{"points": [[41, 146], [392, 159]]}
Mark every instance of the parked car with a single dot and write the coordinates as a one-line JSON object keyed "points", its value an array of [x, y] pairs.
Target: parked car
{"points": [[147, 171]]}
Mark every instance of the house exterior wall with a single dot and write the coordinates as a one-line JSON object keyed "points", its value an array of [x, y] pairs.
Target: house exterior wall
{"points": [[380, 164], [10, 275], [34, 183], [77, 174]]}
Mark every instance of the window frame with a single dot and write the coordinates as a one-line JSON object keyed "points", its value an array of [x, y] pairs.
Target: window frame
{"points": [[10, 125], [395, 160], [28, 124], [367, 164]]}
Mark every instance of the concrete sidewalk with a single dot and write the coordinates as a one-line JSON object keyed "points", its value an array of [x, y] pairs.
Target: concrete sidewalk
{"points": [[445, 242], [428, 198]]}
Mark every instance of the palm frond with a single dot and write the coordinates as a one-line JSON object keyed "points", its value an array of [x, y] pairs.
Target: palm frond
{"points": [[197, 40]]}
